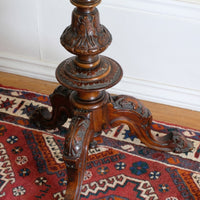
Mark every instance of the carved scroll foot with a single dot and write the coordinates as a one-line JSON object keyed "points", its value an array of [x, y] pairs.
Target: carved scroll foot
{"points": [[44, 119], [75, 154], [128, 110], [178, 142]]}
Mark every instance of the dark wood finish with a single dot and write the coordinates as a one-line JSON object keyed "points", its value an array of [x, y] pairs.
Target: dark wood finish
{"points": [[82, 97]]}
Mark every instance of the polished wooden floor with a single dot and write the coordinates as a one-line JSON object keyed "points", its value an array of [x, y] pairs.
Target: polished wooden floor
{"points": [[160, 112]]}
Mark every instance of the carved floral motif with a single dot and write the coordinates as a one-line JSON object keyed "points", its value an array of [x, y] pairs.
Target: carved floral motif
{"points": [[86, 36], [74, 141], [123, 102]]}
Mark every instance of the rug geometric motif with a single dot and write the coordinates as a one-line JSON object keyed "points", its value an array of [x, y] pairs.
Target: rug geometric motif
{"points": [[120, 168]]}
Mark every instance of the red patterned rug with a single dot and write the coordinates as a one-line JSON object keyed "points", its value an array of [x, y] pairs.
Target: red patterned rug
{"points": [[121, 168]]}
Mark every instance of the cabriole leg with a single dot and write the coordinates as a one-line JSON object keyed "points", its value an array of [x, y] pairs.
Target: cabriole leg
{"points": [[75, 154], [62, 110], [130, 111]]}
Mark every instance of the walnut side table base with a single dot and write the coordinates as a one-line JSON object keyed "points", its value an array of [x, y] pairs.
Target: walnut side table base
{"points": [[82, 97]]}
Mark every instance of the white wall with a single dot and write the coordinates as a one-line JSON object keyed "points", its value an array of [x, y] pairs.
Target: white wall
{"points": [[157, 42]]}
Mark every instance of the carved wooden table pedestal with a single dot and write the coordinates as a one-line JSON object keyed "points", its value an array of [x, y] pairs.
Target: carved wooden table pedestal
{"points": [[82, 97]]}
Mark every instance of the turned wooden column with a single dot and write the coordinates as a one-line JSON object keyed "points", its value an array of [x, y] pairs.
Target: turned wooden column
{"points": [[87, 73], [82, 97]]}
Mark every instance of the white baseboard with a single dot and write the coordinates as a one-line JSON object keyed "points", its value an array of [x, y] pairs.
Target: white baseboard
{"points": [[141, 89], [159, 93], [27, 67]]}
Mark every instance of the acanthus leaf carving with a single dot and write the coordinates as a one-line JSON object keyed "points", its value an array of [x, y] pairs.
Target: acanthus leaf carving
{"points": [[86, 36], [74, 141]]}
